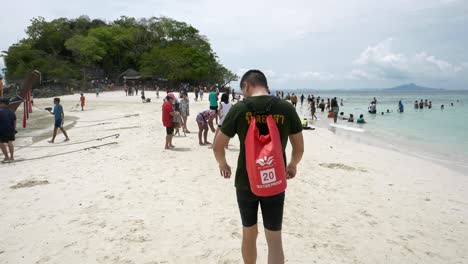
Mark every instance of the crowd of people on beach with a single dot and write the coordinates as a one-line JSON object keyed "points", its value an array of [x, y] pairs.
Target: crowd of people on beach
{"points": [[225, 117], [175, 112]]}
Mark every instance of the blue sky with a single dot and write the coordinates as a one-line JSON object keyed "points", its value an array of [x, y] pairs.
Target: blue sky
{"points": [[301, 43]]}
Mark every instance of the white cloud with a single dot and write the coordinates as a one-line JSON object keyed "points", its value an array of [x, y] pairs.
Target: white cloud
{"points": [[382, 62]]}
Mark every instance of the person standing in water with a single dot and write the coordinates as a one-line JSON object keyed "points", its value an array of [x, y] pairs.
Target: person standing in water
{"points": [[313, 108], [361, 120], [59, 119], [294, 100], [302, 99], [255, 88], [401, 107], [335, 108]]}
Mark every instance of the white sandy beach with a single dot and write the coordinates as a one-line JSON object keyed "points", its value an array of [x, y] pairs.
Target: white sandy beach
{"points": [[133, 202]]}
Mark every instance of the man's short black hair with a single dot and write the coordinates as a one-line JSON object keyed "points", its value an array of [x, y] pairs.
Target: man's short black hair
{"points": [[57, 100], [4, 100], [254, 78]]}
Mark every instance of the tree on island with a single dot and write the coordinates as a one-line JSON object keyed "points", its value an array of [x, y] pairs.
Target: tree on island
{"points": [[66, 50]]}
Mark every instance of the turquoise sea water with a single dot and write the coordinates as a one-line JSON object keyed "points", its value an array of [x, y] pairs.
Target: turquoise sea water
{"points": [[443, 133]]}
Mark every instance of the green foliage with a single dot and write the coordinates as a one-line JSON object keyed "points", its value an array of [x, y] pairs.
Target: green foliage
{"points": [[65, 49]]}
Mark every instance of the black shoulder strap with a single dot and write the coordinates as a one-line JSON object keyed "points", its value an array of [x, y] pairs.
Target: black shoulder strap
{"points": [[267, 109]]}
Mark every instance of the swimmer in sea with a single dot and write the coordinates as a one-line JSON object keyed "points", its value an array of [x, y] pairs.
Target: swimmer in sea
{"points": [[361, 120]]}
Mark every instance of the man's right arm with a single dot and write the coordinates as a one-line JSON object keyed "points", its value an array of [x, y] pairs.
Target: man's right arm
{"points": [[297, 143]]}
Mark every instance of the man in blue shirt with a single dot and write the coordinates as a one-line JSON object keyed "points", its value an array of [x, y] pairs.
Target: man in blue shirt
{"points": [[59, 116], [7, 129]]}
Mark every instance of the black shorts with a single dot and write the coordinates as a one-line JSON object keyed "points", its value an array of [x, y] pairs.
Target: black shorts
{"points": [[169, 130], [58, 123], [5, 137], [214, 108], [272, 209]]}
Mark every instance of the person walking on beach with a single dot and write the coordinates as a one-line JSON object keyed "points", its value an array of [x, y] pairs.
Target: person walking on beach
{"points": [[335, 108], [7, 130], [302, 99], [322, 105], [168, 115], [213, 98], [202, 91], [59, 117], [255, 89], [82, 101]]}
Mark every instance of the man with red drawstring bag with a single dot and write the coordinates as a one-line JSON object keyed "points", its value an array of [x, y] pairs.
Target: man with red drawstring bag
{"points": [[263, 124]]}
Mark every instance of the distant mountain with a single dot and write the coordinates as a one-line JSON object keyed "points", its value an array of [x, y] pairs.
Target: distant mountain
{"points": [[411, 88]]}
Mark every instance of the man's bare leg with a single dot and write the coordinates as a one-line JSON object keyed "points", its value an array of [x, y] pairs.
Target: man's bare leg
{"points": [[53, 136], [65, 133], [170, 141], [4, 151], [200, 131], [11, 148], [205, 134], [167, 142], [275, 247], [249, 244]]}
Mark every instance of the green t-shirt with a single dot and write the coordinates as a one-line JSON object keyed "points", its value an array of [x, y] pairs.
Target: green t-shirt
{"points": [[213, 98], [237, 122]]}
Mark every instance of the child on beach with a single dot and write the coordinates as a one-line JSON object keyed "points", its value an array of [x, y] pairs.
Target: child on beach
{"points": [[59, 118], [82, 101], [185, 110], [205, 119]]}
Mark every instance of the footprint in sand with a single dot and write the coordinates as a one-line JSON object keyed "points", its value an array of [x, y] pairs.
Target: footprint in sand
{"points": [[28, 183], [341, 166]]}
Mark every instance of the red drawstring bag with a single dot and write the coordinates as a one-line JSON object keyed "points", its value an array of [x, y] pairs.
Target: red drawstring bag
{"points": [[264, 156]]}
